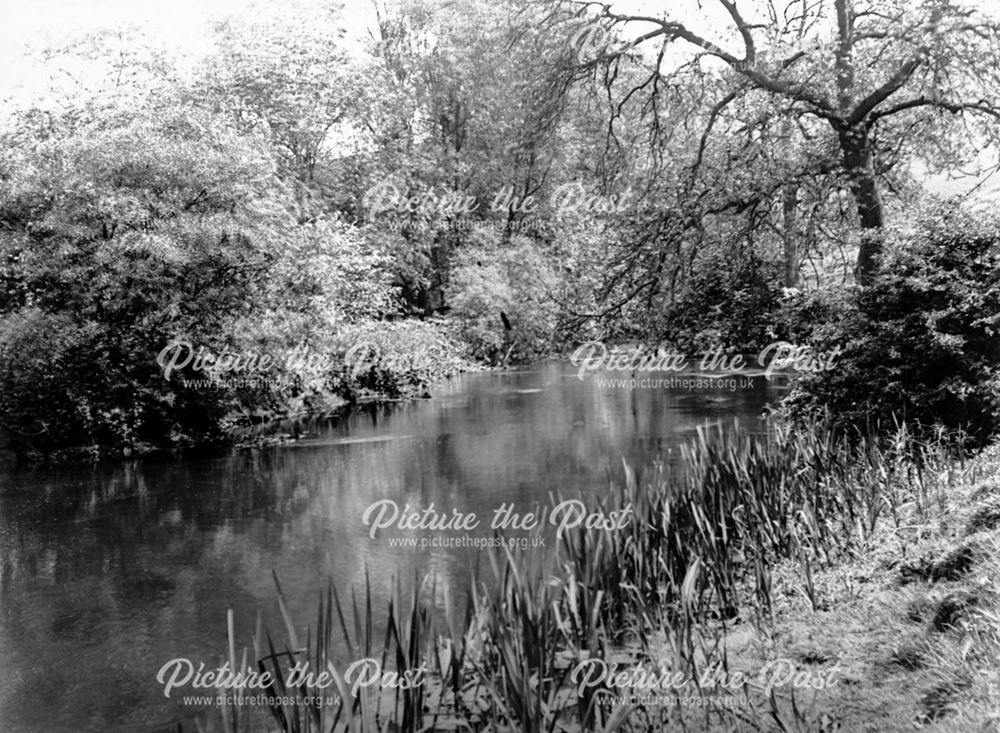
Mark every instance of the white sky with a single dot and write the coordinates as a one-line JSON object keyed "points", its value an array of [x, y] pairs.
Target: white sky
{"points": [[176, 20], [178, 24], [183, 25]]}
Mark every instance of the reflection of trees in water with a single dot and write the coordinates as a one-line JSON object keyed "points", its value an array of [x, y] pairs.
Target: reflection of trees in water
{"points": [[501, 446], [109, 571]]}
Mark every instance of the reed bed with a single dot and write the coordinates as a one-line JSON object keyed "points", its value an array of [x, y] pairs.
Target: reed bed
{"points": [[708, 525]]}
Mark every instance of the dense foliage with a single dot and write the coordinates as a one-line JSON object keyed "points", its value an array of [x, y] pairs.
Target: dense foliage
{"points": [[923, 344], [473, 180], [124, 232], [511, 280], [737, 308]]}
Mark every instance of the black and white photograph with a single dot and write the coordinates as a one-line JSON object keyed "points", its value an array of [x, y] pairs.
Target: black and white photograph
{"points": [[500, 366]]}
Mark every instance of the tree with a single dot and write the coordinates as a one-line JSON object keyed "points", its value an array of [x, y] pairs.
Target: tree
{"points": [[872, 82], [467, 107], [121, 231], [289, 78]]}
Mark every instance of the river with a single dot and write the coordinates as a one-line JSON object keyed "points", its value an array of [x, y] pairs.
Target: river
{"points": [[110, 570]]}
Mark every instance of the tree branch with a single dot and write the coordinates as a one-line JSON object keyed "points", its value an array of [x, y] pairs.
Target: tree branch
{"points": [[673, 30], [896, 81], [713, 116], [844, 60], [893, 85], [744, 29], [953, 107]]}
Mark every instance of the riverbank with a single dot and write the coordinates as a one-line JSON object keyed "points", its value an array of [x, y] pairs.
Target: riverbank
{"points": [[787, 583], [910, 623], [901, 633], [280, 423]]}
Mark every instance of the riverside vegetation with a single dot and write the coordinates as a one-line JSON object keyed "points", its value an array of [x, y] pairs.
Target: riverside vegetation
{"points": [[493, 182], [868, 568], [147, 200]]}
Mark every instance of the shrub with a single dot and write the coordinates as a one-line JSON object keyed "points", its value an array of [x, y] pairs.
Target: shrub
{"points": [[123, 234], [921, 345], [397, 358], [733, 308], [513, 279]]}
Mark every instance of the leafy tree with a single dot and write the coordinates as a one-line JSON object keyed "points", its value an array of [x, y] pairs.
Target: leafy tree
{"points": [[916, 79], [471, 106], [290, 78], [500, 300], [119, 235], [722, 306]]}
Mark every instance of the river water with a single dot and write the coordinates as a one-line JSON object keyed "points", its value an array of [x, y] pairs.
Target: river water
{"points": [[109, 571]]}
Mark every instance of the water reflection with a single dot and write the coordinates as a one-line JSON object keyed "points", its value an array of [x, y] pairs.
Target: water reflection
{"points": [[107, 572]]}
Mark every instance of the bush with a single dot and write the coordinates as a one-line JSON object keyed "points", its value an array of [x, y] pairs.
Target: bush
{"points": [[397, 358], [121, 235], [512, 279], [736, 309], [806, 313], [922, 345], [78, 358]]}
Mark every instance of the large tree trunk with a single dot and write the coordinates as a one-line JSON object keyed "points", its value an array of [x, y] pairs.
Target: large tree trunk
{"points": [[856, 149], [791, 235]]}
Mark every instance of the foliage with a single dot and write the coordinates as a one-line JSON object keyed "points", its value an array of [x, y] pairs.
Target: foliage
{"points": [[121, 235], [804, 312], [226, 203], [736, 308], [286, 75], [399, 358], [923, 345], [871, 84], [467, 106], [512, 279]]}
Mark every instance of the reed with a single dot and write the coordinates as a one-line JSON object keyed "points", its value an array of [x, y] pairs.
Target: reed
{"points": [[708, 525]]}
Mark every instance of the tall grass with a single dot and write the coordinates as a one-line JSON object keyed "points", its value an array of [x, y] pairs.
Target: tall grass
{"points": [[708, 526]]}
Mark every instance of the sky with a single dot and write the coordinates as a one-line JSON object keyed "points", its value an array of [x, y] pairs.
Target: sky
{"points": [[180, 21], [179, 24], [184, 25]]}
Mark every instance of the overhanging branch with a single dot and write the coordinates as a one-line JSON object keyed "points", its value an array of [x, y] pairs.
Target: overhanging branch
{"points": [[744, 29], [954, 107], [673, 30]]}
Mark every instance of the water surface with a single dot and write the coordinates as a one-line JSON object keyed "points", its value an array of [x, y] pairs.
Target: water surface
{"points": [[109, 571]]}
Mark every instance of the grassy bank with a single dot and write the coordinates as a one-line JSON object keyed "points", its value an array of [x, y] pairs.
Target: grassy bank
{"points": [[791, 583], [910, 617]]}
